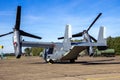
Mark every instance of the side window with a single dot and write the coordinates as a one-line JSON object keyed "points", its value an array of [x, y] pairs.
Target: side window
{"points": [[50, 51]]}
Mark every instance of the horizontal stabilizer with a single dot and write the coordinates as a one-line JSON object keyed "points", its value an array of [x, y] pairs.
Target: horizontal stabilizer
{"points": [[29, 35]]}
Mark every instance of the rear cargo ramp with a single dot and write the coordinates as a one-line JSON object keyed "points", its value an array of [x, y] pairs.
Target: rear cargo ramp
{"points": [[73, 53]]}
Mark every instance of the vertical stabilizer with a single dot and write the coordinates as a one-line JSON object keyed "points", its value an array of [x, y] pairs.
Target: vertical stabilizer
{"points": [[101, 38], [67, 38]]}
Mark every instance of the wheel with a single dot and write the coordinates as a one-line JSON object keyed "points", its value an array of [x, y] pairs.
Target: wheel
{"points": [[18, 56], [72, 60], [51, 61]]}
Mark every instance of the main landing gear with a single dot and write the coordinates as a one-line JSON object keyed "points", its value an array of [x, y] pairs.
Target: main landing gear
{"points": [[72, 60]]}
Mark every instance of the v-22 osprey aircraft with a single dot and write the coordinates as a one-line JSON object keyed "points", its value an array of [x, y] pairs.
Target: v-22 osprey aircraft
{"points": [[58, 51]]}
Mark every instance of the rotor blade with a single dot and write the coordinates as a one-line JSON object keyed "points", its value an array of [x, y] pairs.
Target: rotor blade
{"points": [[18, 15], [29, 35], [78, 34], [93, 38], [94, 21], [6, 34], [75, 35], [61, 38]]}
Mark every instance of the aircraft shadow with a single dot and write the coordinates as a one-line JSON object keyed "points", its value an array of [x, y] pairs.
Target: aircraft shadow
{"points": [[38, 63], [95, 62], [98, 62]]}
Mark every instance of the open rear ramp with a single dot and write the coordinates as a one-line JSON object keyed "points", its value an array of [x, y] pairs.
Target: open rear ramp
{"points": [[73, 53]]}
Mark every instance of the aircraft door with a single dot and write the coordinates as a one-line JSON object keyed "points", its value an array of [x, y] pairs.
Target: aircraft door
{"points": [[47, 52]]}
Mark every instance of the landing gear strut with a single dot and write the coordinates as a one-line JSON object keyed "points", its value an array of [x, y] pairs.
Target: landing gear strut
{"points": [[50, 61]]}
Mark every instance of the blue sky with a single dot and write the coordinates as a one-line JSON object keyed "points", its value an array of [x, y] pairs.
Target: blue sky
{"points": [[47, 18]]}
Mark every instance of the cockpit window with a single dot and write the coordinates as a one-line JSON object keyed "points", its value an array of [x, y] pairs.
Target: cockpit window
{"points": [[50, 51]]}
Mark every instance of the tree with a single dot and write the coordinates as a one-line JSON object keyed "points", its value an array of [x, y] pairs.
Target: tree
{"points": [[27, 51], [76, 40], [36, 51], [114, 43]]}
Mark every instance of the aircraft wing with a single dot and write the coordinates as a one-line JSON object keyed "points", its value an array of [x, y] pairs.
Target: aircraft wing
{"points": [[37, 44]]}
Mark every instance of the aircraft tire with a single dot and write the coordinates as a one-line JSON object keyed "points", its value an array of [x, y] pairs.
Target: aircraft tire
{"points": [[51, 61], [18, 56], [72, 60]]}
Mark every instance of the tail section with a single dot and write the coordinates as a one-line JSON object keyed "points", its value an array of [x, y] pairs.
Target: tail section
{"points": [[67, 38], [101, 40]]}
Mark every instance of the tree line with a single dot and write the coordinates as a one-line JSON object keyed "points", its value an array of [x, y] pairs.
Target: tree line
{"points": [[114, 43], [34, 51]]}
